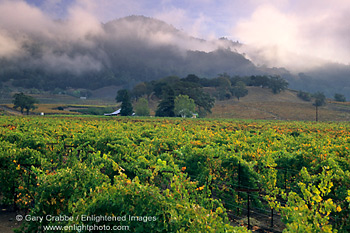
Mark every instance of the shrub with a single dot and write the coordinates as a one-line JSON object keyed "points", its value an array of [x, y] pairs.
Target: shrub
{"points": [[304, 96], [339, 97]]}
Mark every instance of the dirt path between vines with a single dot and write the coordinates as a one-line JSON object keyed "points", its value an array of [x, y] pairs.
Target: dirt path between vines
{"points": [[8, 221]]}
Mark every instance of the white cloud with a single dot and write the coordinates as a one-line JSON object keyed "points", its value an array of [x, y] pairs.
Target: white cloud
{"points": [[22, 17], [81, 23], [106, 10], [8, 47], [22, 26], [181, 19], [299, 35], [268, 26]]}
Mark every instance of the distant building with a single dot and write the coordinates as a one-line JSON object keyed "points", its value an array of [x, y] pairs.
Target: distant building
{"points": [[116, 113]]}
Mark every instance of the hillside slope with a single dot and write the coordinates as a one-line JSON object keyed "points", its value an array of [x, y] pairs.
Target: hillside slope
{"points": [[261, 103]]}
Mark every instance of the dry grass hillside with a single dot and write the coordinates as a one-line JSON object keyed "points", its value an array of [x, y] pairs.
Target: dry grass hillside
{"points": [[261, 103]]}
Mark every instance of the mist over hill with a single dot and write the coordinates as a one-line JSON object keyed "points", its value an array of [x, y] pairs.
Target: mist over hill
{"points": [[129, 50]]}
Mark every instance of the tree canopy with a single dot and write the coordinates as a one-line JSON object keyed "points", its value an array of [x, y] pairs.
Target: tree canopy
{"points": [[126, 107], [184, 106], [339, 97], [239, 90], [277, 84], [167, 104], [141, 107], [23, 101], [122, 95], [200, 90], [320, 99]]}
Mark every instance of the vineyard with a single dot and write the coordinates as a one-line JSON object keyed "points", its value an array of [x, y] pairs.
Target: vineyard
{"points": [[175, 175]]}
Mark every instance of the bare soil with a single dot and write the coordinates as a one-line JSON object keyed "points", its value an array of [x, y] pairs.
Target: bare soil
{"points": [[8, 220]]}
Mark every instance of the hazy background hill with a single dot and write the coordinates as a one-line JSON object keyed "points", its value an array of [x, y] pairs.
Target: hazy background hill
{"points": [[129, 50]]}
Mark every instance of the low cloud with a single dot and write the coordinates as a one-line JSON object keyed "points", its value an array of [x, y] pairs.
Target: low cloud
{"points": [[77, 64], [195, 26], [298, 35], [26, 30], [8, 47]]}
